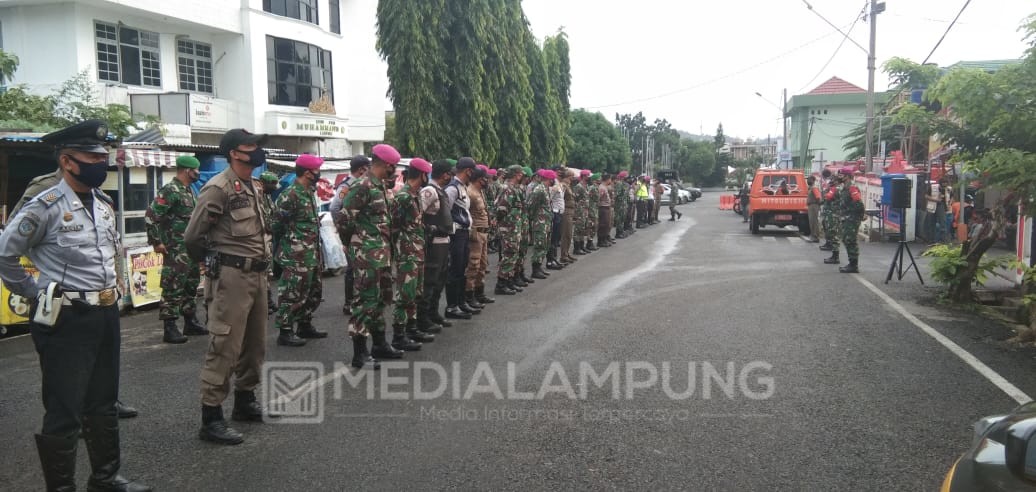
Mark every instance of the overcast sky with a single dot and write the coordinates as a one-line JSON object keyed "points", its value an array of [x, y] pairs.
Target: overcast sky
{"points": [[718, 54]]}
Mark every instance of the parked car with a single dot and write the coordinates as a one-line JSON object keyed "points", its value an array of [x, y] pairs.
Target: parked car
{"points": [[1002, 454], [694, 192]]}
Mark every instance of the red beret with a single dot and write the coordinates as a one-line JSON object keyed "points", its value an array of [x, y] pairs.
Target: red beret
{"points": [[584, 172], [309, 162], [847, 170], [623, 174], [491, 172], [421, 165], [386, 153]]}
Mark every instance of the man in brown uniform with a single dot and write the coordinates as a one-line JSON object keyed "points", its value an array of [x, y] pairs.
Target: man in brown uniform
{"points": [[478, 258], [604, 210], [228, 227], [565, 177]]}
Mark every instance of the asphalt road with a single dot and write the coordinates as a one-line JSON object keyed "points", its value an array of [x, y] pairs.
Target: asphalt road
{"points": [[804, 379]]}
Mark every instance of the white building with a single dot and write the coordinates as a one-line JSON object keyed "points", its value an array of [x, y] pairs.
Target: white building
{"points": [[205, 66]]}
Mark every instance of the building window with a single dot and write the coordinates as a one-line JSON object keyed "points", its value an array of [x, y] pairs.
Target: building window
{"points": [[194, 65], [305, 10], [297, 72], [127, 55], [335, 13]]}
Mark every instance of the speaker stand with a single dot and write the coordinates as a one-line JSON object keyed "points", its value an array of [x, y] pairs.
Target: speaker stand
{"points": [[898, 258]]}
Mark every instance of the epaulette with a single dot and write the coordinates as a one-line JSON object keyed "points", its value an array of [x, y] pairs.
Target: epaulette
{"points": [[104, 197], [50, 196]]}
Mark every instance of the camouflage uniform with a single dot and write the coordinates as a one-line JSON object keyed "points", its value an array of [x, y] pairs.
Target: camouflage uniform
{"points": [[592, 199], [266, 204], [832, 217], [581, 213], [408, 255], [540, 220], [490, 193], [166, 220], [621, 204], [509, 207], [368, 205], [296, 237], [525, 231], [852, 209]]}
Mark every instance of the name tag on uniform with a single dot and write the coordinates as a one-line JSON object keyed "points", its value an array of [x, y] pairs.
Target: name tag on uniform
{"points": [[441, 240], [71, 228], [240, 202]]}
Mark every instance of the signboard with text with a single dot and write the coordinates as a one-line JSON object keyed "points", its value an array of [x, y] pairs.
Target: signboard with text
{"points": [[306, 125], [145, 276]]}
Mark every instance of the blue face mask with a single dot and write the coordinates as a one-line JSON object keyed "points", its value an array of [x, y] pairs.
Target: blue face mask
{"points": [[90, 175]]}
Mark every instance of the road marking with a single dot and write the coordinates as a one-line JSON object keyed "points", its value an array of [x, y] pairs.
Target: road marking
{"points": [[770, 239], [957, 350]]}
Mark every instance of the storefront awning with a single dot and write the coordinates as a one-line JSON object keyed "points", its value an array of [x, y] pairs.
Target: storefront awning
{"points": [[147, 158]]}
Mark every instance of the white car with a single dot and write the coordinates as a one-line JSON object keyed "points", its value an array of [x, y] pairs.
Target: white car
{"points": [[683, 195]]}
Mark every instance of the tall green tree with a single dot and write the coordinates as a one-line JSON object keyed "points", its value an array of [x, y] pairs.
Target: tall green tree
{"points": [[545, 120], [8, 65], [507, 76], [471, 111], [596, 143], [410, 39], [555, 50]]}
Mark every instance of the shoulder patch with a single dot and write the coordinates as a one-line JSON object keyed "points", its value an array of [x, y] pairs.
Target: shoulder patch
{"points": [[28, 225], [50, 197]]}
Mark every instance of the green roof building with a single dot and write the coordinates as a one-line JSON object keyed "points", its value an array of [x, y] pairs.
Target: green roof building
{"points": [[821, 119]]}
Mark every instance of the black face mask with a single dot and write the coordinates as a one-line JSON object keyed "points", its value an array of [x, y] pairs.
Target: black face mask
{"points": [[316, 177], [256, 158], [269, 189], [193, 176], [91, 175]]}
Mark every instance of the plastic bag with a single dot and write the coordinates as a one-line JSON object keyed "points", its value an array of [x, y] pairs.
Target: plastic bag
{"points": [[331, 244]]}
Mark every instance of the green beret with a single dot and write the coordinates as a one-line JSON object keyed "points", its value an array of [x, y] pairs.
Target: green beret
{"points": [[268, 177], [595, 176], [512, 170], [453, 162], [527, 170], [188, 161]]}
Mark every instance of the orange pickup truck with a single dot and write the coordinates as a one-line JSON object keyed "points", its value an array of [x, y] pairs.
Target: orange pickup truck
{"points": [[778, 198]]}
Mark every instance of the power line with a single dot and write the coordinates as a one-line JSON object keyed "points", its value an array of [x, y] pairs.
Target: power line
{"points": [[947, 31], [717, 79], [839, 48], [810, 7]]}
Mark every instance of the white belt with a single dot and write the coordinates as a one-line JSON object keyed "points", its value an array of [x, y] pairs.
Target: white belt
{"points": [[106, 297]]}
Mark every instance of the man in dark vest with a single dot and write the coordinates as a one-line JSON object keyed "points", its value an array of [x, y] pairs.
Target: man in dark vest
{"points": [[438, 224]]}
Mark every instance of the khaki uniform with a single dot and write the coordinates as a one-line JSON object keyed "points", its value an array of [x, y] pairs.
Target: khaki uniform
{"points": [[38, 185], [229, 222], [478, 258]]}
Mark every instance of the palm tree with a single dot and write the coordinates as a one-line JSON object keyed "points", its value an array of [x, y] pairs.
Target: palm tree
{"points": [[8, 65]]}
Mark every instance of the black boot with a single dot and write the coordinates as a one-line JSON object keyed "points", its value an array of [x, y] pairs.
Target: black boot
{"points": [[400, 340], [833, 260], [288, 338], [590, 245], [101, 434], [469, 297], [827, 246], [58, 460], [306, 330], [577, 248], [553, 265], [416, 334], [191, 326], [503, 288], [480, 295], [852, 267], [437, 318], [428, 326], [537, 271], [171, 334], [124, 411], [455, 312], [360, 354], [525, 278], [381, 349], [467, 308], [215, 429], [513, 282], [246, 408]]}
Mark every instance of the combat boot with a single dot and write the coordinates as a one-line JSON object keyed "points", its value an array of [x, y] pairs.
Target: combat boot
{"points": [[503, 288], [428, 326], [577, 248], [518, 283], [215, 429], [590, 245], [553, 265], [525, 278], [416, 334], [480, 295], [246, 408], [513, 282], [288, 338], [171, 334], [381, 349], [360, 354], [400, 340], [537, 271], [101, 434], [852, 267], [455, 312], [306, 330], [58, 460], [827, 246], [191, 326], [437, 318], [469, 297], [467, 308], [833, 260]]}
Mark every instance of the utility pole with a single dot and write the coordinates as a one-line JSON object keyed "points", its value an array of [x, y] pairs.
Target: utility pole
{"points": [[876, 8], [784, 119]]}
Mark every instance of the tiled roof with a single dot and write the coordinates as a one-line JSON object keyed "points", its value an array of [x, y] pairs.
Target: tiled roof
{"points": [[985, 65], [836, 85]]}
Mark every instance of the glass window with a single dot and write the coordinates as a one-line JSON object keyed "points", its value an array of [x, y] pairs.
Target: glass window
{"points": [[334, 12], [194, 66], [297, 73], [304, 10], [127, 55]]}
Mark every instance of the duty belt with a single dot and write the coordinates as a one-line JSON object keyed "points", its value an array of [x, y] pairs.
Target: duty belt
{"points": [[103, 298], [242, 263]]}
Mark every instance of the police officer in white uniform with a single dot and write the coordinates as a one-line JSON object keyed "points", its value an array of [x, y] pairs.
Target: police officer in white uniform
{"points": [[68, 231]]}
